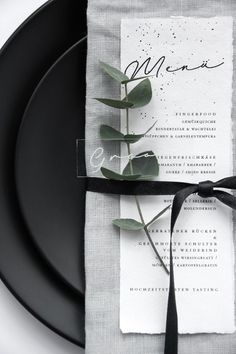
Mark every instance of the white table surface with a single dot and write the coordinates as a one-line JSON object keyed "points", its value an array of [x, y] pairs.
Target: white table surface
{"points": [[20, 332]]}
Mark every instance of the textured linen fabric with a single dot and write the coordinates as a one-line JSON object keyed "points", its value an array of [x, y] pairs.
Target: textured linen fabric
{"points": [[102, 248]]}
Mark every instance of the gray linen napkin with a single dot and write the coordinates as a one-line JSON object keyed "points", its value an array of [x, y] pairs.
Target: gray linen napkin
{"points": [[102, 250]]}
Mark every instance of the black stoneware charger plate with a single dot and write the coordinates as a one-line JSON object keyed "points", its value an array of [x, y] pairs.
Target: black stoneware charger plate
{"points": [[51, 196], [24, 59]]}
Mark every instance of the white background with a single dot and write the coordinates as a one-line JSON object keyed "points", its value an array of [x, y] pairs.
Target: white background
{"points": [[21, 333]]}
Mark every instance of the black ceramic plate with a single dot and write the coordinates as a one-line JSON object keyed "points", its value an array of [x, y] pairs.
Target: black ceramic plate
{"points": [[23, 61], [52, 198]]}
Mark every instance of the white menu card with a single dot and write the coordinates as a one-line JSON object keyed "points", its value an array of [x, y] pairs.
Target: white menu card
{"points": [[191, 60]]}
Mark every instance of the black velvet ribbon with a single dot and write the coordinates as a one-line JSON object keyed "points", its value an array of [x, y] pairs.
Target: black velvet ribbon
{"points": [[181, 191]]}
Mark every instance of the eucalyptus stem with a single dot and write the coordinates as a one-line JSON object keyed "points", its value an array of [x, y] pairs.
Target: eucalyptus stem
{"points": [[136, 197]]}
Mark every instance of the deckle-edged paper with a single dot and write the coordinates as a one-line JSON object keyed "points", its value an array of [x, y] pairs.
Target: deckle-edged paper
{"points": [[191, 63]]}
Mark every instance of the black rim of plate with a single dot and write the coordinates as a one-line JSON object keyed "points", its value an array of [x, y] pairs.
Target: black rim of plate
{"points": [[22, 183]]}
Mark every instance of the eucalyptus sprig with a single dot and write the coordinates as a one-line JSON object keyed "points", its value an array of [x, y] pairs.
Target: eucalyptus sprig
{"points": [[142, 166]]}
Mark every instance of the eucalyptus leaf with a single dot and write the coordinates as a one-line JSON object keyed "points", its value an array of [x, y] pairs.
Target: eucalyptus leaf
{"points": [[134, 138], [113, 72], [109, 133], [115, 103], [144, 164], [136, 78], [158, 216], [117, 176], [128, 224], [141, 94]]}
